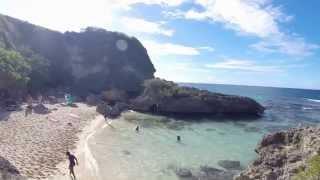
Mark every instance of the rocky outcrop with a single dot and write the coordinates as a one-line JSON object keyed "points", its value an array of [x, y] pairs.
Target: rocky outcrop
{"points": [[230, 165], [93, 60], [204, 173], [111, 111], [9, 171], [282, 154], [166, 97]]}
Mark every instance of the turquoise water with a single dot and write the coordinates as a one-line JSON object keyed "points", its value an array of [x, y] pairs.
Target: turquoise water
{"points": [[154, 154]]}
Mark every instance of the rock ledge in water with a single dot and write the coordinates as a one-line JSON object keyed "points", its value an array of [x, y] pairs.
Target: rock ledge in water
{"points": [[166, 97], [230, 165]]}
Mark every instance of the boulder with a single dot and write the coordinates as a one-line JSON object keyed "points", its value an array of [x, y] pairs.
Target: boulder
{"points": [[111, 111], [53, 99], [40, 109], [92, 100], [183, 173], [114, 95], [122, 106], [102, 108], [211, 173], [230, 165]]}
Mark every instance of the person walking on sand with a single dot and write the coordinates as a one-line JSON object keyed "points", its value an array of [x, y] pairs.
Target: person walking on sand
{"points": [[72, 162], [29, 105]]}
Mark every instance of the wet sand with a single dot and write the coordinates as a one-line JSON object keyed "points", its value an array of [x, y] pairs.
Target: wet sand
{"points": [[36, 144], [87, 168]]}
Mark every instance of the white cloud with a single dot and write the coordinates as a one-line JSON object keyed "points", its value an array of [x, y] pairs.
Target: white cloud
{"points": [[255, 17], [259, 18], [73, 15], [156, 49], [293, 46], [244, 65], [207, 48], [142, 26], [128, 3]]}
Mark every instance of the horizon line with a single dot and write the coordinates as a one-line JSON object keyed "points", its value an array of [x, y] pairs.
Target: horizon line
{"points": [[207, 83]]}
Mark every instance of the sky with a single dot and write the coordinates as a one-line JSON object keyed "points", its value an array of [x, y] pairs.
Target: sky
{"points": [[246, 42]]}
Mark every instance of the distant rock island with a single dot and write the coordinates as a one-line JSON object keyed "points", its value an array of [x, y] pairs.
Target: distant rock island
{"points": [[107, 69]]}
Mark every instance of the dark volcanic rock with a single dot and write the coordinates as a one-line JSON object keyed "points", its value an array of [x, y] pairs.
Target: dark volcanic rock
{"points": [[204, 173], [9, 171], [282, 154], [166, 97], [184, 173], [230, 165], [40, 109], [111, 111], [210, 173], [93, 100]]}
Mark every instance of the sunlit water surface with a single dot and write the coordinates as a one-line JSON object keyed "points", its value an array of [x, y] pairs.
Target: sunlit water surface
{"points": [[154, 154]]}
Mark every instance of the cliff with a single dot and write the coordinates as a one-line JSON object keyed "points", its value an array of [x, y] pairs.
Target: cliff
{"points": [[96, 61], [286, 155], [89, 61]]}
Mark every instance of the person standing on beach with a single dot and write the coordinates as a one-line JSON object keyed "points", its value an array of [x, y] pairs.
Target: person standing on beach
{"points": [[72, 162], [29, 105]]}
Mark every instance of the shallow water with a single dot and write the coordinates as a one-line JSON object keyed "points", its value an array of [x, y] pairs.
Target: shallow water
{"points": [[154, 153]]}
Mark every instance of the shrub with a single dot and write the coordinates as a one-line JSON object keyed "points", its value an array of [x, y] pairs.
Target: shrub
{"points": [[312, 171], [14, 69]]}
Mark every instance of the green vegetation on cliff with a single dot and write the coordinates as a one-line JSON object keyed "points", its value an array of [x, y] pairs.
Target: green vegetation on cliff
{"points": [[14, 69], [21, 70], [312, 171]]}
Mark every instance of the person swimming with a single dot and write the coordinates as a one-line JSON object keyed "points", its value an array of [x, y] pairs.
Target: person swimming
{"points": [[72, 162], [178, 138]]}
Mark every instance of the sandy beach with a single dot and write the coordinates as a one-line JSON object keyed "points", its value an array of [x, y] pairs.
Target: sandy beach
{"points": [[87, 167], [36, 144]]}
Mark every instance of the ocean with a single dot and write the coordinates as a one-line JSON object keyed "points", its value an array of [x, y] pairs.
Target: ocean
{"points": [[154, 154]]}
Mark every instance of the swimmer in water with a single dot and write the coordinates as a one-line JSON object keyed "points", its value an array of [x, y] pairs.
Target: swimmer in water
{"points": [[178, 138]]}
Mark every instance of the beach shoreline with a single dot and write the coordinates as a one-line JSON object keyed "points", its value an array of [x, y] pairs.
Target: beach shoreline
{"points": [[36, 144], [87, 168]]}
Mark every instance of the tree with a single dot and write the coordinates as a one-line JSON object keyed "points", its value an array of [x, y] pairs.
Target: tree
{"points": [[39, 74], [14, 69]]}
